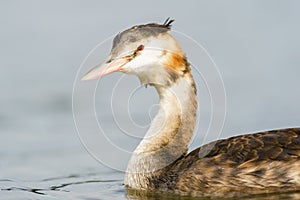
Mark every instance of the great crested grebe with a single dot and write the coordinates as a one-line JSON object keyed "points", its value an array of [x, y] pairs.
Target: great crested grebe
{"points": [[264, 162]]}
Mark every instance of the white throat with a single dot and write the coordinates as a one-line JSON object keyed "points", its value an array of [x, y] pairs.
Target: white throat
{"points": [[169, 134]]}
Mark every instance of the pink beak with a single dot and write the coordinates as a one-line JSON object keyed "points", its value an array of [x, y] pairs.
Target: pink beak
{"points": [[105, 69]]}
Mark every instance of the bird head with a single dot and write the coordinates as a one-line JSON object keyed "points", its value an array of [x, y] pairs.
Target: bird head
{"points": [[147, 51]]}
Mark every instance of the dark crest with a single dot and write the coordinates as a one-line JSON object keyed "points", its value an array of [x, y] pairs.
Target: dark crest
{"points": [[139, 32], [168, 23]]}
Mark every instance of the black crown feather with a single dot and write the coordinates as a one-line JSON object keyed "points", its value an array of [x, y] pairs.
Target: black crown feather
{"points": [[168, 23]]}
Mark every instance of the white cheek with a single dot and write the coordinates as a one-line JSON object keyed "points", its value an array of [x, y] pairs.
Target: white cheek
{"points": [[146, 58]]}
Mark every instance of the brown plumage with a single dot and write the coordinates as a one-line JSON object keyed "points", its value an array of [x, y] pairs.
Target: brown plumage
{"points": [[258, 163]]}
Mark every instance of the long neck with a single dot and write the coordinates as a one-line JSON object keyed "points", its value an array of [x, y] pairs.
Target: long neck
{"points": [[169, 134]]}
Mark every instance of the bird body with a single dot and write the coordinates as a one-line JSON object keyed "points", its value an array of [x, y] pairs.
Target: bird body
{"points": [[258, 163], [265, 162]]}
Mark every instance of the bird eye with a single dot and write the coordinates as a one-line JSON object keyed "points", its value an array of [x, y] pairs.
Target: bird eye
{"points": [[140, 48]]}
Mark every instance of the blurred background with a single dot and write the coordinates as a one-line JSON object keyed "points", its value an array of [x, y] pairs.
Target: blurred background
{"points": [[255, 45]]}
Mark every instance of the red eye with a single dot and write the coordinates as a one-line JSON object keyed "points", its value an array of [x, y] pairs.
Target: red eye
{"points": [[140, 48]]}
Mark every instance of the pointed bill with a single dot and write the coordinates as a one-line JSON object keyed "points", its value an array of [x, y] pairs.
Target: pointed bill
{"points": [[105, 69]]}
